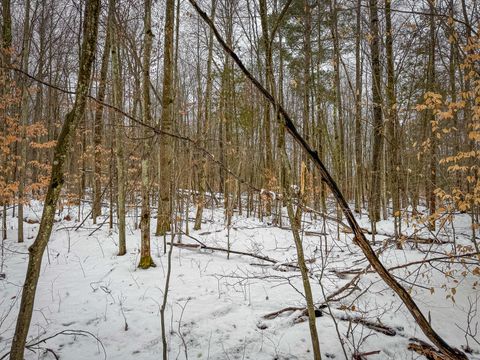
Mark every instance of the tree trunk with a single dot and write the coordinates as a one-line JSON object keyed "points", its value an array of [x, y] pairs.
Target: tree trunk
{"points": [[24, 121], [164, 217], [432, 178], [392, 124], [146, 260], [268, 85], [5, 57], [206, 126], [358, 112], [339, 146], [374, 205], [98, 123], [119, 138], [92, 10]]}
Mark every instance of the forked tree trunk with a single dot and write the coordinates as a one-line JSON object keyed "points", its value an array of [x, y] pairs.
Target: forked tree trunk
{"points": [[92, 11]]}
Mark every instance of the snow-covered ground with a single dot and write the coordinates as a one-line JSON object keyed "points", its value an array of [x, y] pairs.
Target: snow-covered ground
{"points": [[216, 305]]}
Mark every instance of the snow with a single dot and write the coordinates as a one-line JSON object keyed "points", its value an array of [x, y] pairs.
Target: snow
{"points": [[215, 305]]}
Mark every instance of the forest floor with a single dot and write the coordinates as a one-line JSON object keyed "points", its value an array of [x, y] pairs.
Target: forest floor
{"points": [[216, 306]]}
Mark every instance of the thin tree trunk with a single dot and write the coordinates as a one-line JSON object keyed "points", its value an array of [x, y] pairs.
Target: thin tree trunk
{"points": [[392, 124], [206, 126], [295, 219], [269, 84], [432, 178], [339, 145], [98, 123], [358, 112], [6, 59], [119, 138], [24, 121]]}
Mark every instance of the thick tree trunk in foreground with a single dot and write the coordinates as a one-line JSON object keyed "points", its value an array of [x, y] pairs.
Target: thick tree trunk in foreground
{"points": [[327, 178], [92, 11]]}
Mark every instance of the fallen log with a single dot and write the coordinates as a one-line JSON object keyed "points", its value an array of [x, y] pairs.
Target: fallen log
{"points": [[376, 326], [212, 248], [424, 349], [362, 356]]}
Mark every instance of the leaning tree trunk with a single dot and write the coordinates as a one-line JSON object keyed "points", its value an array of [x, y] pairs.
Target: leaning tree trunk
{"points": [[362, 241], [92, 11]]}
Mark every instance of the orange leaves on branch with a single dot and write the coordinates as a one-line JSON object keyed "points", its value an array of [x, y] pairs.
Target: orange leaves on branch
{"points": [[43, 145]]}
